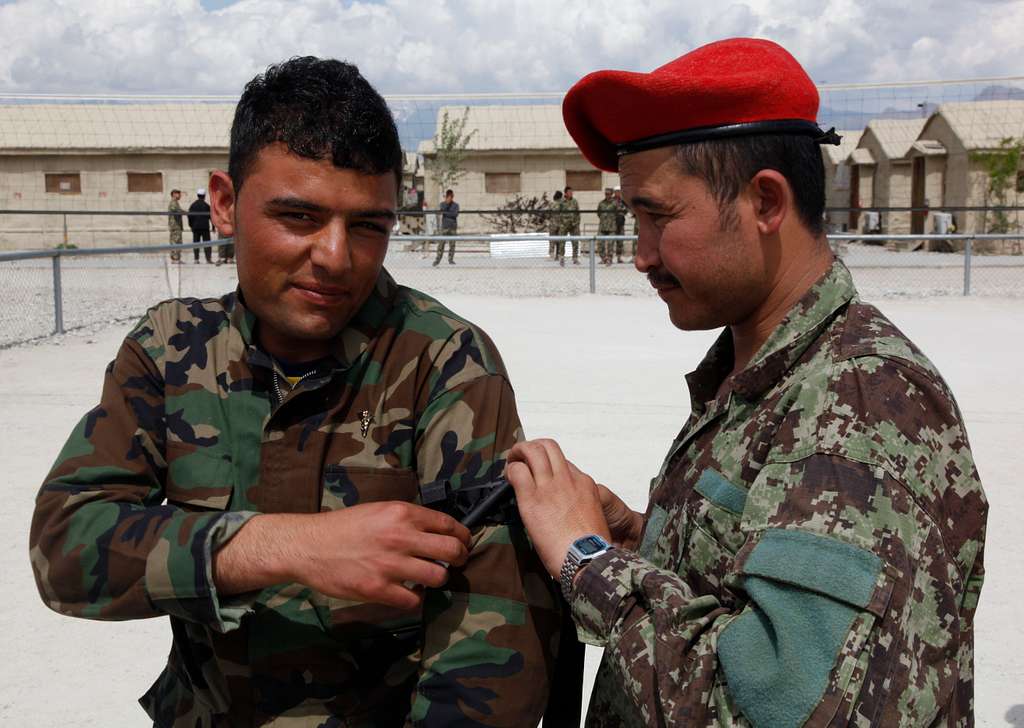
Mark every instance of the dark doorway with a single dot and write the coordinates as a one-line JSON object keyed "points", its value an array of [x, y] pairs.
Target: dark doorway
{"points": [[917, 198], [854, 195]]}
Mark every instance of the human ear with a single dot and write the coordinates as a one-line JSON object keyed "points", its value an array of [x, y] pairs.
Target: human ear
{"points": [[771, 197], [222, 202]]}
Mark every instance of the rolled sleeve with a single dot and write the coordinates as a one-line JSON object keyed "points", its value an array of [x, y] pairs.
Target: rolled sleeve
{"points": [[179, 576]]}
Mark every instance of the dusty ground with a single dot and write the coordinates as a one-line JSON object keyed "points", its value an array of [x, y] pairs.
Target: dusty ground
{"points": [[602, 374]]}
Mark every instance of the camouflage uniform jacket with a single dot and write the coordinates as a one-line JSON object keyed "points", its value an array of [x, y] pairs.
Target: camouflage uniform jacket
{"points": [[174, 221], [570, 217], [812, 551], [620, 216], [189, 415], [606, 212], [556, 214]]}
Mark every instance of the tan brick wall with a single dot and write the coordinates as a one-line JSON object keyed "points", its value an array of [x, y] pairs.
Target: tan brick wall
{"points": [[104, 183]]}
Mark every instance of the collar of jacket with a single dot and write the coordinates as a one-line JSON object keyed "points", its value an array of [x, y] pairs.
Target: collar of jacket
{"points": [[348, 346], [787, 343]]}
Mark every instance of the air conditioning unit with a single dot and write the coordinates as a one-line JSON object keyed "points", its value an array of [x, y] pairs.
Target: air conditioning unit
{"points": [[942, 223], [872, 222]]}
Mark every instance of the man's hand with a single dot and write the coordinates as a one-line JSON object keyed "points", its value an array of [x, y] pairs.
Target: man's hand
{"points": [[375, 552], [558, 502], [625, 524]]}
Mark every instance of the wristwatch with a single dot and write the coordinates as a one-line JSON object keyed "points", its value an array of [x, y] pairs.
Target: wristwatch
{"points": [[581, 552]]}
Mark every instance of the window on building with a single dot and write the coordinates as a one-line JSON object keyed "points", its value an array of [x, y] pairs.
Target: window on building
{"points": [[1020, 181], [842, 178], [64, 183], [145, 182], [588, 181], [502, 182]]}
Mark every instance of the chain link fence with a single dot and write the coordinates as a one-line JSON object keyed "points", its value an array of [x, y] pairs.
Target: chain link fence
{"points": [[47, 292]]}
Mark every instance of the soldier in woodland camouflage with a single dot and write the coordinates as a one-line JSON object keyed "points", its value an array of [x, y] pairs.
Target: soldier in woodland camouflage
{"points": [[620, 226], [606, 212], [253, 468], [174, 223], [812, 551]]}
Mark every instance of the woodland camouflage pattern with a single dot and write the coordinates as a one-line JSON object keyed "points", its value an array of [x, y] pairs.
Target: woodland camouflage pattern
{"points": [[188, 416], [812, 551]]}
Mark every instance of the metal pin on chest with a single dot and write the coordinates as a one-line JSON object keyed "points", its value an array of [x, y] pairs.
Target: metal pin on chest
{"points": [[365, 420]]}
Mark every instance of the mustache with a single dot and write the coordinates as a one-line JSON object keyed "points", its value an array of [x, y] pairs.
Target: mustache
{"points": [[661, 277]]}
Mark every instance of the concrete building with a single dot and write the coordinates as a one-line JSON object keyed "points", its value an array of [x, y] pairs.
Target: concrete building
{"points": [[837, 178], [880, 171], [948, 168], [104, 157], [523, 150]]}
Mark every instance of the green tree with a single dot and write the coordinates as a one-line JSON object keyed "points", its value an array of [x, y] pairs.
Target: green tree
{"points": [[450, 144], [1001, 166]]}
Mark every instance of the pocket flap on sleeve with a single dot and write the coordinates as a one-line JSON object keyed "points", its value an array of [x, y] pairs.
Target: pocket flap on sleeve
{"points": [[819, 563], [723, 493]]}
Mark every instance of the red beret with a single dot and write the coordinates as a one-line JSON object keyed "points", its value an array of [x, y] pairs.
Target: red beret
{"points": [[728, 88]]}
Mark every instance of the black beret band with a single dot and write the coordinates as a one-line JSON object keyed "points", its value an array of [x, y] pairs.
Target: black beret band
{"points": [[778, 126]]}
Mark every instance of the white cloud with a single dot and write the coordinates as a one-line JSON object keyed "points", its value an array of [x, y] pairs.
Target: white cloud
{"points": [[410, 46]]}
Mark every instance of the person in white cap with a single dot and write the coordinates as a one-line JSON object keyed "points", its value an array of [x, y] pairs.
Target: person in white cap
{"points": [[199, 223]]}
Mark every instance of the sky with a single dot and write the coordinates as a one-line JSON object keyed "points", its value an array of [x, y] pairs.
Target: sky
{"points": [[442, 46]]}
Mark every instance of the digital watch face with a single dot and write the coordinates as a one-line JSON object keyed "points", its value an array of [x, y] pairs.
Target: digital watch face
{"points": [[589, 545]]}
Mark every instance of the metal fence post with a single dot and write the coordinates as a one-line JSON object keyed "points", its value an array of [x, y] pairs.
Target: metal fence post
{"points": [[593, 266], [967, 266], [58, 298]]}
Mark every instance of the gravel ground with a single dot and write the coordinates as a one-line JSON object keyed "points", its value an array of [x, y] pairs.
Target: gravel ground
{"points": [[100, 290]]}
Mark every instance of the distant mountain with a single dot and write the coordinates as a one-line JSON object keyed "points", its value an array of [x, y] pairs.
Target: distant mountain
{"points": [[1000, 93], [850, 119]]}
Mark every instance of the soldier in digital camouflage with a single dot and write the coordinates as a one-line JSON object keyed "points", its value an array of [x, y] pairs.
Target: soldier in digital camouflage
{"points": [[254, 466], [606, 212], [811, 554], [570, 222]]}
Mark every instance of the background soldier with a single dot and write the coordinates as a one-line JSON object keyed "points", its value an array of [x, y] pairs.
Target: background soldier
{"points": [[174, 223], [607, 212], [620, 224], [199, 223], [555, 212], [225, 251], [571, 222], [449, 226]]}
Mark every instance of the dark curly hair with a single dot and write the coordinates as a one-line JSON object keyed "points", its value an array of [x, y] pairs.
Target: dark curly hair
{"points": [[320, 108]]}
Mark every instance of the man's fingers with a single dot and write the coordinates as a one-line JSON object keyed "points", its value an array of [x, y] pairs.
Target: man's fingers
{"points": [[556, 458], [440, 548], [400, 597], [420, 571], [536, 456], [431, 521], [521, 478]]}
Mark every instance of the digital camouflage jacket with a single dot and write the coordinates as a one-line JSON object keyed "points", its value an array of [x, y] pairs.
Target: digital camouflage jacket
{"points": [[189, 442], [606, 214], [812, 550], [570, 217]]}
